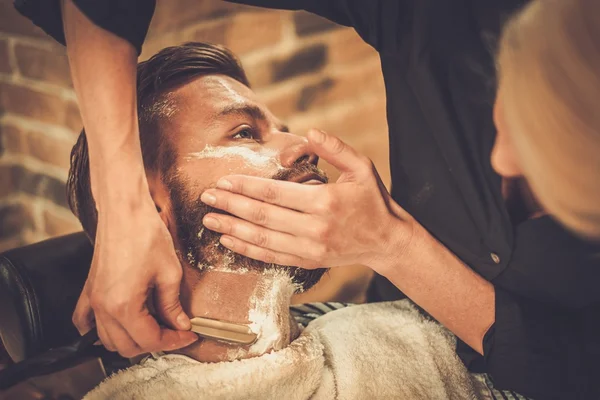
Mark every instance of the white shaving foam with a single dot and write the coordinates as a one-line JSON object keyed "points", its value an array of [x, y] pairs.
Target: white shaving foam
{"points": [[261, 159], [268, 316]]}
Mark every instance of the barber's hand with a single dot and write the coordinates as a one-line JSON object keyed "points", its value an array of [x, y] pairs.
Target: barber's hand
{"points": [[352, 221], [133, 256]]}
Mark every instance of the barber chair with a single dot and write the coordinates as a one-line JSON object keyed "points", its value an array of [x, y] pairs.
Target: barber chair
{"points": [[39, 288]]}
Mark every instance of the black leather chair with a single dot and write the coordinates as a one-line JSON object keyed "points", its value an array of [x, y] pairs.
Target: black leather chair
{"points": [[39, 288]]}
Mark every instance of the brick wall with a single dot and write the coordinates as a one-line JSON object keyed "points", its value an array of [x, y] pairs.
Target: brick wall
{"points": [[310, 72]]}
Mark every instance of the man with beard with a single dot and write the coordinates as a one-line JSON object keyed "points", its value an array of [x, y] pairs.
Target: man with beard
{"points": [[199, 120]]}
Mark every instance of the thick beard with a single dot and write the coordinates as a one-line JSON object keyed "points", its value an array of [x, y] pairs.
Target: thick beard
{"points": [[200, 248]]}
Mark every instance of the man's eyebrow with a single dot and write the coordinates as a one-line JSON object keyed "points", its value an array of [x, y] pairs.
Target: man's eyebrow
{"points": [[250, 110]]}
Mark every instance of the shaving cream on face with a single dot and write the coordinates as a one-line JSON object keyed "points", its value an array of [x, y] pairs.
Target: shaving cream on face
{"points": [[262, 158]]}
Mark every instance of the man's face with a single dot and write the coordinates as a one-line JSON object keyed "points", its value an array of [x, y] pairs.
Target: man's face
{"points": [[217, 127]]}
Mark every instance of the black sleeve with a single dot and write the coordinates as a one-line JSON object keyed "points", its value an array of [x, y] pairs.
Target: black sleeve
{"points": [[128, 19], [376, 21], [545, 343], [543, 351]]}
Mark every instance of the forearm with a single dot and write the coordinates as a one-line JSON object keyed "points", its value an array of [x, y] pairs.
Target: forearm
{"points": [[103, 68], [434, 278]]}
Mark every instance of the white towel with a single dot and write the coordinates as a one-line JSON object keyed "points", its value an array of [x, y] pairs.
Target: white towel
{"points": [[372, 351]]}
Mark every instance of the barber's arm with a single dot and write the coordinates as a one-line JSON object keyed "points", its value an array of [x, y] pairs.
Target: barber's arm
{"points": [[133, 249], [352, 221]]}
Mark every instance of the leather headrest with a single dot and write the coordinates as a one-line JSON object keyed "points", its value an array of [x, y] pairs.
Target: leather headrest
{"points": [[39, 288]]}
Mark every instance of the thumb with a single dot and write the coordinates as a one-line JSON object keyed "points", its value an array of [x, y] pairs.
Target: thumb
{"points": [[83, 316], [334, 151], [168, 305]]}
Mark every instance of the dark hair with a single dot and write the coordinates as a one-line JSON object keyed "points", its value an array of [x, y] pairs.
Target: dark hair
{"points": [[156, 77]]}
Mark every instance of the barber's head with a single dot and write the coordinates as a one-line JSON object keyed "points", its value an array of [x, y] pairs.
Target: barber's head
{"points": [[546, 112], [199, 121]]}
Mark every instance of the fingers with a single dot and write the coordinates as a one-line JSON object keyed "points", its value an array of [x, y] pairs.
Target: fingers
{"points": [[266, 255], [150, 337], [336, 152], [304, 243], [167, 301], [113, 333], [140, 335], [255, 211], [105, 339], [126, 326], [83, 316], [291, 195]]}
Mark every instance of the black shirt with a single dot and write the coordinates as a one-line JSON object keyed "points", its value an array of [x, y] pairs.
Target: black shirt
{"points": [[437, 61]]}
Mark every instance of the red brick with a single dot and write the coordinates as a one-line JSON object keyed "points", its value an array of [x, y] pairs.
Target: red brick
{"points": [[35, 184], [258, 72], [341, 86], [335, 88], [7, 184], [305, 60], [5, 67], [36, 105], [57, 224], [15, 219], [13, 22], [210, 33], [73, 117], [309, 24], [365, 115], [12, 140], [283, 105], [50, 66], [175, 15], [265, 28], [50, 150], [253, 31]]}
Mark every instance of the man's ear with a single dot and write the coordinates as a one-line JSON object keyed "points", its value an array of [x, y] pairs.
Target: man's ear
{"points": [[161, 198]]}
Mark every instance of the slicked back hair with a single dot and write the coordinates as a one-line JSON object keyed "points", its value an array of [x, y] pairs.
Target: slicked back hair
{"points": [[156, 79]]}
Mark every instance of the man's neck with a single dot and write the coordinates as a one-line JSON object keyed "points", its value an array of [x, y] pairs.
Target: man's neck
{"points": [[258, 299]]}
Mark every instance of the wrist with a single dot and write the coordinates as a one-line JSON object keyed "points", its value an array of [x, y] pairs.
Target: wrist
{"points": [[123, 186], [401, 237]]}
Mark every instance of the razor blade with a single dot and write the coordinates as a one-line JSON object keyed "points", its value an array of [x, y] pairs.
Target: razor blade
{"points": [[224, 331]]}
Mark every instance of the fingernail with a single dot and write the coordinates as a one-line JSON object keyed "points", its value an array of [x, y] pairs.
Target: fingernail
{"points": [[227, 242], [208, 198], [224, 184], [211, 223], [318, 136], [183, 322], [194, 340]]}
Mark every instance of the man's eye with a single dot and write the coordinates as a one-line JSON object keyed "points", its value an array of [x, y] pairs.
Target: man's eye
{"points": [[245, 133]]}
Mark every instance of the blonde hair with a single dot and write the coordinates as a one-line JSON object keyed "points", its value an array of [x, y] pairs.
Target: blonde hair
{"points": [[549, 71]]}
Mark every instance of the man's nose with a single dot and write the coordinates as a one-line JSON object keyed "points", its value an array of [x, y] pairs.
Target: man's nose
{"points": [[295, 150]]}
